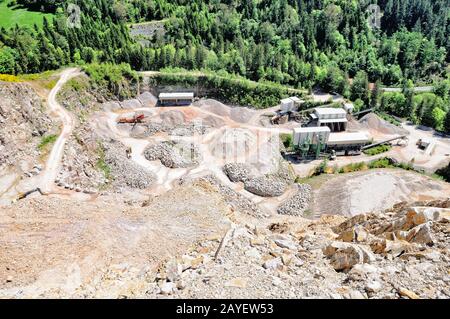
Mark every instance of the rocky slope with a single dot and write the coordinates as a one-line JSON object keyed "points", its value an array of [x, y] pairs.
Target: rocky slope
{"points": [[399, 253], [23, 124], [92, 161]]}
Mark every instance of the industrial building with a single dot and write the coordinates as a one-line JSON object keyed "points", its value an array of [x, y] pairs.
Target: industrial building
{"points": [[290, 104], [312, 141], [310, 135], [347, 142], [334, 118], [176, 99]]}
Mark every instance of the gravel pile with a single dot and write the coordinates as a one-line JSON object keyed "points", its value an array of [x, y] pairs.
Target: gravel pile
{"points": [[173, 154], [297, 204], [237, 172], [237, 201], [153, 128], [125, 171], [266, 186]]}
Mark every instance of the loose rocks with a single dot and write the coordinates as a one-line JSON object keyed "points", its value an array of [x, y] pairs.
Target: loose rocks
{"points": [[173, 154], [266, 186], [237, 172], [297, 204], [124, 170]]}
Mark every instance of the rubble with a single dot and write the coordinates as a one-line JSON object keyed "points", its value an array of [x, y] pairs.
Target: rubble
{"points": [[125, 171], [237, 201], [343, 256], [173, 154], [238, 172], [305, 264], [297, 204], [266, 186]]}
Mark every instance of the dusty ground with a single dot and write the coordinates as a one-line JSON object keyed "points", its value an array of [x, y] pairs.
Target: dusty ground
{"points": [[66, 248], [372, 191]]}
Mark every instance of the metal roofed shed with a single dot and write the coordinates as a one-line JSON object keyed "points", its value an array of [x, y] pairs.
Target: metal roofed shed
{"points": [[176, 99], [337, 139], [330, 112]]}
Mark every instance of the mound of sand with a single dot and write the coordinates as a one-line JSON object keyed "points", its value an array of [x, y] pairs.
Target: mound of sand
{"points": [[374, 191], [214, 106], [241, 114], [213, 121], [173, 117], [147, 99]]}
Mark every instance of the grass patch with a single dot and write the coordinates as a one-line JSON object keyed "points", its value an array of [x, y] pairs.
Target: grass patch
{"points": [[324, 169], [36, 76], [46, 141], [16, 14], [377, 150], [443, 173]]}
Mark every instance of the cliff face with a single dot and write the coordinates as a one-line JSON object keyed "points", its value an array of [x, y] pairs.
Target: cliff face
{"points": [[23, 124]]}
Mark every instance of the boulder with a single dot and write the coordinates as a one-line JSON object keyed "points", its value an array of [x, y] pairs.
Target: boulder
{"points": [[237, 283], [284, 242], [343, 256], [408, 293], [373, 286], [173, 270], [167, 288], [274, 263], [357, 234]]}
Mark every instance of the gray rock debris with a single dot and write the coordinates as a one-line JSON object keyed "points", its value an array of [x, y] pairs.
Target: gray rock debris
{"points": [[297, 204], [125, 171], [173, 154], [237, 201], [266, 186], [237, 172]]}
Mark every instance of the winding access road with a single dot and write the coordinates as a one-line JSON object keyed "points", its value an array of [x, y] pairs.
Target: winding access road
{"points": [[53, 163]]}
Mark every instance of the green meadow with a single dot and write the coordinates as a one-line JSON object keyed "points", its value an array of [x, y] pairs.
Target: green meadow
{"points": [[10, 16]]}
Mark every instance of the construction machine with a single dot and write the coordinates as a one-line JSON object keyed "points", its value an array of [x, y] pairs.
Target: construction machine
{"points": [[26, 194], [134, 120]]}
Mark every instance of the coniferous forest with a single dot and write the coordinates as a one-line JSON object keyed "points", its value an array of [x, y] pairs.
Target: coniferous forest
{"points": [[296, 43]]}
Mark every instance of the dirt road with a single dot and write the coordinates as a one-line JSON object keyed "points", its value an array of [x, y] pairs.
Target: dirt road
{"points": [[54, 159]]}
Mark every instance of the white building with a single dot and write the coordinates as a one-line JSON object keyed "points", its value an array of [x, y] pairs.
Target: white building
{"points": [[311, 134], [334, 118], [290, 104], [176, 99]]}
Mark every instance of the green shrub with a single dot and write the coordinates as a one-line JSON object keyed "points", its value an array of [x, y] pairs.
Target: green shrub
{"points": [[101, 163], [47, 140], [287, 140], [378, 150], [119, 79]]}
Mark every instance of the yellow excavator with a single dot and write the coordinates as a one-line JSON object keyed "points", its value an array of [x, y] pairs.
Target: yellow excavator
{"points": [[26, 194]]}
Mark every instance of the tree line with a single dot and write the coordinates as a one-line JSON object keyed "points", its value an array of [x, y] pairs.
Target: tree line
{"points": [[297, 43]]}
